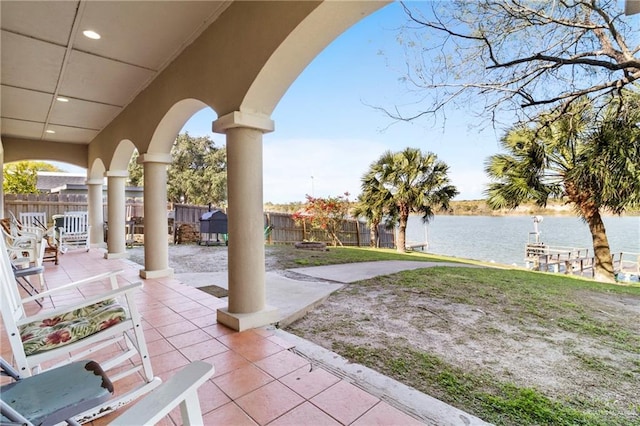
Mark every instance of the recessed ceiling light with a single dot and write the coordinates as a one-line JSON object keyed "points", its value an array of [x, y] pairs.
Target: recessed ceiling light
{"points": [[91, 34], [50, 131], [61, 99]]}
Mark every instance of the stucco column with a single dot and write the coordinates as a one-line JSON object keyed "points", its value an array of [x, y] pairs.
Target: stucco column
{"points": [[156, 234], [247, 289], [96, 213], [116, 238]]}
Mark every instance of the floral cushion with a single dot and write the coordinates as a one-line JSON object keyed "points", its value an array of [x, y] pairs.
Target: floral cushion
{"points": [[69, 327]]}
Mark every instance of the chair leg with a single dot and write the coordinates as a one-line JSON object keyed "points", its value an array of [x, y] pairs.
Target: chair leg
{"points": [[23, 278], [12, 415], [28, 287], [43, 283], [139, 339], [190, 409]]}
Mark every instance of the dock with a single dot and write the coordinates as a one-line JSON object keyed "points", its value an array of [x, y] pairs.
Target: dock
{"points": [[572, 260], [417, 246], [577, 261], [540, 257]]}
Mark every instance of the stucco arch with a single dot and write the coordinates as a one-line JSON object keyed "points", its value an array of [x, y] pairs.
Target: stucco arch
{"points": [[122, 155], [245, 62], [302, 45], [96, 171], [26, 149], [171, 124]]}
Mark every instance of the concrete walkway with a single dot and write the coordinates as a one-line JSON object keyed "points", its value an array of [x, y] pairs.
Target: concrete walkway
{"points": [[352, 272], [292, 297], [296, 291]]}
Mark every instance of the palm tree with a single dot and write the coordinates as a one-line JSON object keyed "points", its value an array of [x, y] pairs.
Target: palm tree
{"points": [[590, 159], [373, 209], [407, 182]]}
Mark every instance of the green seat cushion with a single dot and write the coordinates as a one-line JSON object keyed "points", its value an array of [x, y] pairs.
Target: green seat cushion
{"points": [[72, 326]]}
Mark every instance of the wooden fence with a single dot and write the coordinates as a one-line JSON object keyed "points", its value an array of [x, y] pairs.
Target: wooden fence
{"points": [[186, 213], [280, 228], [53, 204]]}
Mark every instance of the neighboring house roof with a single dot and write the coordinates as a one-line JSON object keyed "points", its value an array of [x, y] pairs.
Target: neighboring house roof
{"points": [[49, 180], [62, 182]]}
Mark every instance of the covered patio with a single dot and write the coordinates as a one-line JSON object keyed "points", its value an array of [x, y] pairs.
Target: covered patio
{"points": [[258, 378], [89, 82]]}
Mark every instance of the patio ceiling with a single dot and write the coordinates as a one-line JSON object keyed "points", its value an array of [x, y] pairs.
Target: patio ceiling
{"points": [[45, 56]]}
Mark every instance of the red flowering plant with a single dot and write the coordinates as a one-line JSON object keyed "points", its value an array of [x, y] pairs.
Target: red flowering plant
{"points": [[302, 219], [325, 214]]}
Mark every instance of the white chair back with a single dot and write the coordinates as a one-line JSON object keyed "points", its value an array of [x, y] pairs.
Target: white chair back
{"points": [[34, 220], [74, 231], [76, 223]]}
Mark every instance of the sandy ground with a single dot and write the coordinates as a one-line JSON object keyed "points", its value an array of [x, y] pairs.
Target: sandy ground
{"points": [[483, 339], [185, 258]]}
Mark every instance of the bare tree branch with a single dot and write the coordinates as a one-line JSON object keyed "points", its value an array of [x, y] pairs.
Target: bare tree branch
{"points": [[516, 54], [582, 59]]}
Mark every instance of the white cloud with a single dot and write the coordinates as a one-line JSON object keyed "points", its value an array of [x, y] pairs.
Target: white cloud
{"points": [[336, 165], [470, 183]]}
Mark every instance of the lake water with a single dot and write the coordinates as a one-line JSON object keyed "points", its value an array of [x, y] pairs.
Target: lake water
{"points": [[502, 239]]}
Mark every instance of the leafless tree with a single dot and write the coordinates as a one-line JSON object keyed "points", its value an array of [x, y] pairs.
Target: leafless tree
{"points": [[516, 56]]}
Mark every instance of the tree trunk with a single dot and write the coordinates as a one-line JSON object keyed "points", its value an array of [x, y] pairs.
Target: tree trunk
{"points": [[373, 234], [590, 212], [603, 268], [402, 233], [336, 240]]}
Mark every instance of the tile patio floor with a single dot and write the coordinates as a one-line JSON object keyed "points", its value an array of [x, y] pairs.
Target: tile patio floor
{"points": [[257, 380]]}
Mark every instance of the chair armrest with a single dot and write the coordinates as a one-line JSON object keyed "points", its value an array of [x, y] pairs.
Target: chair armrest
{"points": [[73, 285], [32, 230], [29, 233], [25, 272], [90, 301], [32, 239], [182, 388]]}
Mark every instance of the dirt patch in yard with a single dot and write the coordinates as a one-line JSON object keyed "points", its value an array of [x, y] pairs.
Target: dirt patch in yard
{"points": [[185, 258], [583, 350]]}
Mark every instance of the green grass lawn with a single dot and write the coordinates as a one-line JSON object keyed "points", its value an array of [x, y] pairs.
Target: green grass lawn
{"points": [[290, 257]]}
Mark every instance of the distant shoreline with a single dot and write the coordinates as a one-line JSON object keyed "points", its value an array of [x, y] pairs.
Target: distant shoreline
{"points": [[480, 208]]}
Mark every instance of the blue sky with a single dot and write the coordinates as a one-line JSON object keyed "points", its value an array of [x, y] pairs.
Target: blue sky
{"points": [[327, 132]]}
